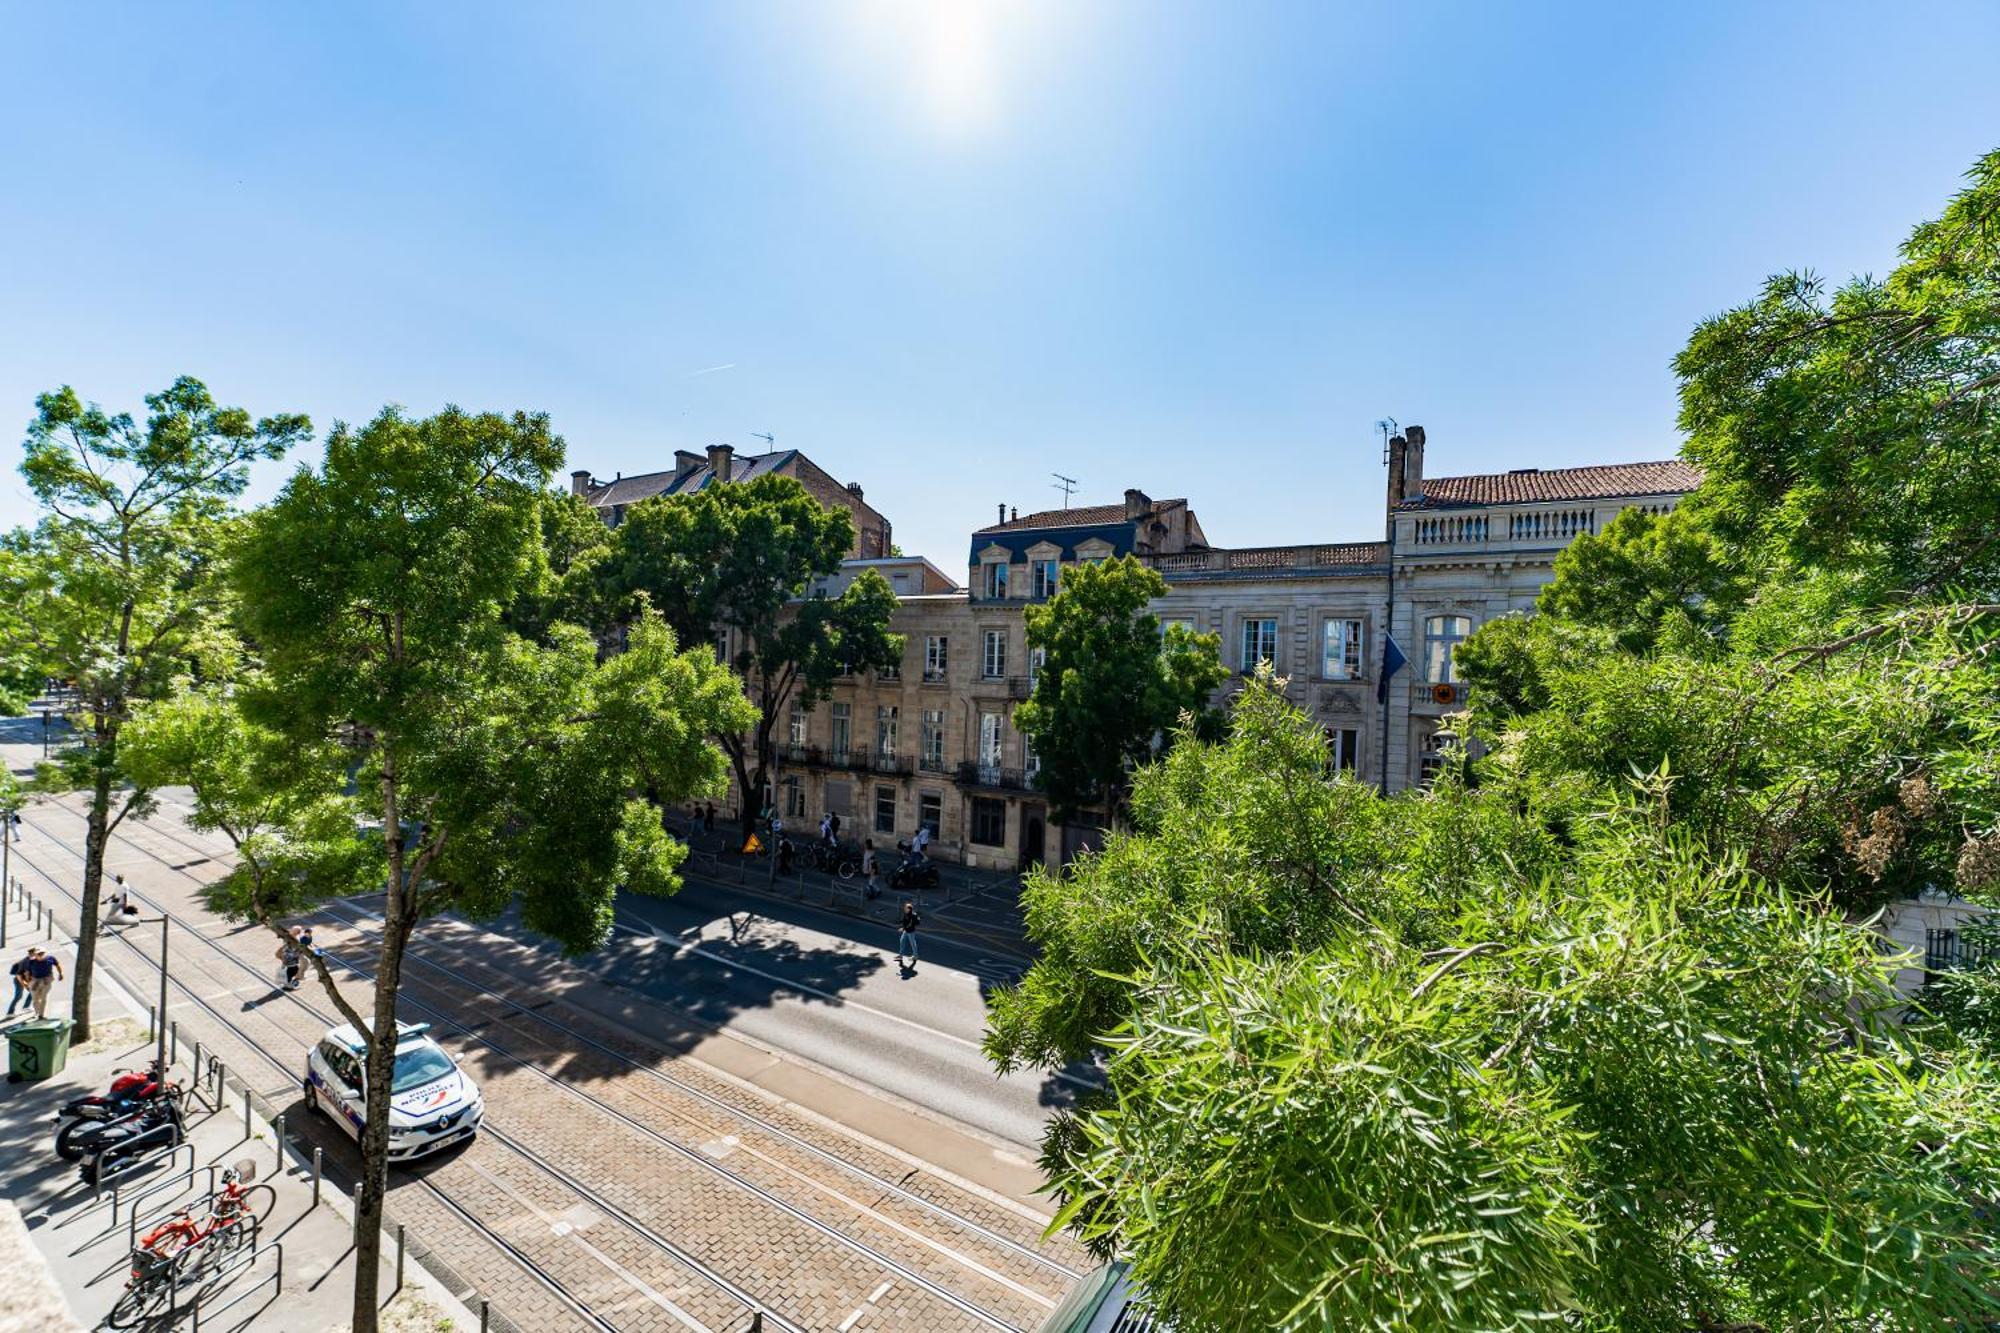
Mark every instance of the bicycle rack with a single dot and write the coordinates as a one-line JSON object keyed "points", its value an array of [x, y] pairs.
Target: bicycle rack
{"points": [[163, 1154], [132, 1218], [277, 1275]]}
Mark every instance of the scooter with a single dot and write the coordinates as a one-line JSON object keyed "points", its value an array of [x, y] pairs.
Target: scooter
{"points": [[107, 1147], [916, 872]]}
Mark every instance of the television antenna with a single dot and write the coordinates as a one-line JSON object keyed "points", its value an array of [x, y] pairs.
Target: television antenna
{"points": [[1067, 485], [766, 437], [1388, 427]]}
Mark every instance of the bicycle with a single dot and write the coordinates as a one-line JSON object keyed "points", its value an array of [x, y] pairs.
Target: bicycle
{"points": [[165, 1255]]}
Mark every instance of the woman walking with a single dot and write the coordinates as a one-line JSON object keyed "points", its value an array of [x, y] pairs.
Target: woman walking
{"points": [[906, 942]]}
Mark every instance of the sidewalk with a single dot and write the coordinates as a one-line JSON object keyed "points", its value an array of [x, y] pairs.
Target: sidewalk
{"points": [[302, 1273]]}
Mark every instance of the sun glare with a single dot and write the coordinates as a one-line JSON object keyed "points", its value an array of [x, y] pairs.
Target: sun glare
{"points": [[947, 56]]}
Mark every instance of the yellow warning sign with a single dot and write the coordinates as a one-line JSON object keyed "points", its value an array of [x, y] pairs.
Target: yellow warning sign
{"points": [[751, 846]]}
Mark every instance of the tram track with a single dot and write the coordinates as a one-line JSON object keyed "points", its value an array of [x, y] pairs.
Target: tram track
{"points": [[481, 1033]]}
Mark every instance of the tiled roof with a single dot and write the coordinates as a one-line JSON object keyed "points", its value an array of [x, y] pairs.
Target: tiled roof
{"points": [[1539, 485], [631, 490], [1086, 516]]}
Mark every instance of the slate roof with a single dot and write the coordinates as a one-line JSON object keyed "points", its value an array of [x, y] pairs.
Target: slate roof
{"points": [[1542, 485], [631, 490], [1084, 516]]}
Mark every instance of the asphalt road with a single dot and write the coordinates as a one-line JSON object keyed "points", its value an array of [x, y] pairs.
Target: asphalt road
{"points": [[826, 988]]}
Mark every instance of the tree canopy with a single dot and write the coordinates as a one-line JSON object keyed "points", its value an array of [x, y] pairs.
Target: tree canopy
{"points": [[1111, 688]]}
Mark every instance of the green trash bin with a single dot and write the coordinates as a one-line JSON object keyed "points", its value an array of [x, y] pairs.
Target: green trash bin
{"points": [[38, 1049]]}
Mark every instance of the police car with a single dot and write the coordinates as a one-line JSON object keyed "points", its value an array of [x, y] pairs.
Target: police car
{"points": [[432, 1104]]}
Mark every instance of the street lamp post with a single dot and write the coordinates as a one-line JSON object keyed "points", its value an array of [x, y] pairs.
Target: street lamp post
{"points": [[6, 869], [160, 1033]]}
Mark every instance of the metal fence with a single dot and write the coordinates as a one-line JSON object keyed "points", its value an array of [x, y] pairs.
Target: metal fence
{"points": [[1948, 950]]}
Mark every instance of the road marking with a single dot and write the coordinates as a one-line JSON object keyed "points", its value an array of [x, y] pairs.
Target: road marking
{"points": [[876, 1294]]}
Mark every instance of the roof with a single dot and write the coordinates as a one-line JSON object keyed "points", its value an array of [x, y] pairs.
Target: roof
{"points": [[631, 490], [1086, 516], [349, 1036], [1540, 485]]}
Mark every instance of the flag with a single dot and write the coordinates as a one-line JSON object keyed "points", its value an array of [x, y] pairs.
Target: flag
{"points": [[1392, 662]]}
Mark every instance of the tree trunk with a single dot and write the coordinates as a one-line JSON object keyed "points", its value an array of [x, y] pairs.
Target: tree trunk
{"points": [[380, 1067], [97, 833]]}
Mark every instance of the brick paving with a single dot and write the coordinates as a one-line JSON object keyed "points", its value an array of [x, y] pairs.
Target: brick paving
{"points": [[637, 1165]]}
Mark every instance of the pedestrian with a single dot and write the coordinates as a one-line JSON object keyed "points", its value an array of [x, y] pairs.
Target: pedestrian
{"points": [[784, 856], [708, 818], [14, 822], [833, 825], [290, 959], [19, 975], [921, 841], [44, 970], [869, 887], [906, 941], [826, 827], [120, 905]]}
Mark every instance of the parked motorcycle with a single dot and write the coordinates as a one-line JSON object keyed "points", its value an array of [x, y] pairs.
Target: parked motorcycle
{"points": [[107, 1147], [916, 872], [128, 1089]]}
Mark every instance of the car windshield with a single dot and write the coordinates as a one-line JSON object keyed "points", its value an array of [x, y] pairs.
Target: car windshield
{"points": [[417, 1065]]}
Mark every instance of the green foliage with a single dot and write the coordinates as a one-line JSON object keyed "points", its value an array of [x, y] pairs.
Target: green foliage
{"points": [[1643, 571], [1407, 1063], [740, 559], [566, 582], [1111, 688]]}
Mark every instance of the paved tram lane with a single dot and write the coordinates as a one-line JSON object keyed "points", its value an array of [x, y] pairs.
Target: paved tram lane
{"points": [[838, 1223]]}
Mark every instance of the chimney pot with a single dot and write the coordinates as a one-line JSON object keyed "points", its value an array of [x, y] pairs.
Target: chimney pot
{"points": [[721, 460], [579, 482], [1003, 513], [1398, 457], [854, 489], [1413, 461], [1137, 505]]}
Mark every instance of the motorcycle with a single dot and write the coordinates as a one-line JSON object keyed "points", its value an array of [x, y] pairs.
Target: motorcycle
{"points": [[107, 1147], [836, 859], [129, 1088], [916, 872]]}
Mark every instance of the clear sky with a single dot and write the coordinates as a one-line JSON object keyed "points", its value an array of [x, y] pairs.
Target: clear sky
{"points": [[950, 248]]}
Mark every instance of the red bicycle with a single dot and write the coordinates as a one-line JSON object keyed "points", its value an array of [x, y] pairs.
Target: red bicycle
{"points": [[166, 1254]]}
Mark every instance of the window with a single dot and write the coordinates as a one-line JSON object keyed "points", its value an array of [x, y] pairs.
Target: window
{"points": [[1340, 650], [993, 665], [843, 730], [1166, 623], [722, 645], [885, 809], [996, 579], [885, 730], [1442, 635], [930, 812], [933, 739], [1260, 644], [1037, 659], [936, 657], [894, 671], [795, 799], [796, 732], [989, 821], [1434, 751], [1031, 763], [989, 740], [1343, 746], [1045, 578]]}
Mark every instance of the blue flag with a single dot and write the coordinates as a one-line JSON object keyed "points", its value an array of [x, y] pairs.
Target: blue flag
{"points": [[1392, 662]]}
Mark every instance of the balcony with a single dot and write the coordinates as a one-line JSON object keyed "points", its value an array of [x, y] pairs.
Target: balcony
{"points": [[934, 763], [992, 777], [934, 676], [1003, 687], [811, 756], [892, 764]]}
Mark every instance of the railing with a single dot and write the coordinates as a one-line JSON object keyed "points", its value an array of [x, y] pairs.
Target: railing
{"points": [[934, 675], [934, 763], [1450, 530], [989, 775], [1945, 950], [248, 1260], [890, 763], [1551, 524], [1270, 560], [1012, 687]]}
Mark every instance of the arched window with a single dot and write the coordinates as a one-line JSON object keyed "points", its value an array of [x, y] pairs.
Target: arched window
{"points": [[1442, 635]]}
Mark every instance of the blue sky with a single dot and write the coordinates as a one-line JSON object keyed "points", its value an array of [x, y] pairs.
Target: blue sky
{"points": [[948, 249]]}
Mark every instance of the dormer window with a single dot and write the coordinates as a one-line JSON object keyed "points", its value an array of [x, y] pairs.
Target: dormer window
{"points": [[1046, 576], [996, 579]]}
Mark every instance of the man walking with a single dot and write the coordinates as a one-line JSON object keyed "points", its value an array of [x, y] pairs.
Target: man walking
{"points": [[19, 975], [44, 970], [906, 941], [290, 958]]}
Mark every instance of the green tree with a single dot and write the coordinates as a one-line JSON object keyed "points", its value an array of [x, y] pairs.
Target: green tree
{"points": [[565, 584], [1111, 688], [1643, 570], [503, 772], [1416, 1063], [117, 586], [739, 561]]}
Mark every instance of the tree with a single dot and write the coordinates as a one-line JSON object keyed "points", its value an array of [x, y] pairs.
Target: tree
{"points": [[117, 586], [1415, 1063], [1642, 570], [1111, 687], [565, 584], [738, 561], [503, 772]]}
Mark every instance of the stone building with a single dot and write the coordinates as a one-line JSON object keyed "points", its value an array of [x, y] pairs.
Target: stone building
{"points": [[934, 742], [692, 472]]}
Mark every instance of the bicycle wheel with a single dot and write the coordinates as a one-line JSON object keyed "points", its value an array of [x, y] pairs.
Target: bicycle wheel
{"points": [[256, 1203], [137, 1304]]}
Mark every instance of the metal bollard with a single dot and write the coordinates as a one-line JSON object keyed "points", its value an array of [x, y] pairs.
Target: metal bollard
{"points": [[756, 1321], [485, 1309], [315, 1202], [247, 1121], [399, 1256], [174, 1042], [278, 1147], [357, 1210], [152, 1020]]}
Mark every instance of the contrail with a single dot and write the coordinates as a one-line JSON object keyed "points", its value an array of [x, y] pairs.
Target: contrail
{"points": [[711, 370]]}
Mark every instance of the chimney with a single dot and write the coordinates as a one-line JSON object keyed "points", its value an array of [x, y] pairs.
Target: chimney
{"points": [[1413, 462], [579, 482], [722, 460], [1137, 505], [1013, 513], [1003, 513], [854, 489], [1398, 458], [686, 460]]}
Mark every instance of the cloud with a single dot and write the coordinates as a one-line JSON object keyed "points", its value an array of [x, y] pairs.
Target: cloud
{"points": [[731, 365]]}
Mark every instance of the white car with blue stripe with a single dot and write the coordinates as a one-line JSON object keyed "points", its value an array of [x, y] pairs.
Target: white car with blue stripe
{"points": [[432, 1104]]}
